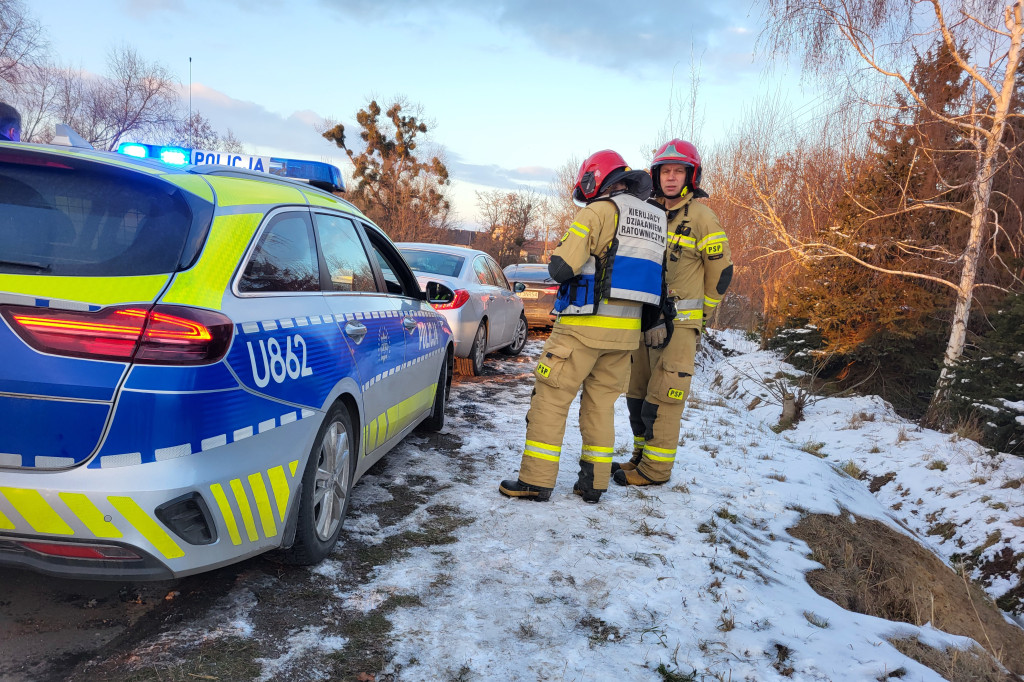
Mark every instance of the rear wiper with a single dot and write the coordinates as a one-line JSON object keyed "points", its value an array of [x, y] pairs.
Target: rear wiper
{"points": [[31, 266]]}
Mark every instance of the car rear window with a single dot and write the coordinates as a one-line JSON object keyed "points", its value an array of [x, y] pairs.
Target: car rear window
{"points": [[68, 217], [538, 274], [434, 263]]}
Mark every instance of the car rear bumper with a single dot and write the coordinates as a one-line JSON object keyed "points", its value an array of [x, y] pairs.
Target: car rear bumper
{"points": [[464, 326], [177, 516]]}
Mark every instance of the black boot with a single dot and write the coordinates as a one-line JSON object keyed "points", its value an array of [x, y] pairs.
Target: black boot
{"points": [[517, 488], [589, 495]]}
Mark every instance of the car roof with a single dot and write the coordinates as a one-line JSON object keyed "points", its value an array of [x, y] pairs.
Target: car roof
{"points": [[158, 168], [442, 248]]}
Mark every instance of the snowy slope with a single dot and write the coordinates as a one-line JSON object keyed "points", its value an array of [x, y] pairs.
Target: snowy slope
{"points": [[699, 574]]}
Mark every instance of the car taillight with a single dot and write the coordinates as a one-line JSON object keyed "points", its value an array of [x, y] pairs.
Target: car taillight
{"points": [[551, 290], [460, 299], [160, 335]]}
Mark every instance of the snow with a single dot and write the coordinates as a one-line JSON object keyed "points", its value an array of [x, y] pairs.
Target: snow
{"points": [[565, 590], [697, 575]]}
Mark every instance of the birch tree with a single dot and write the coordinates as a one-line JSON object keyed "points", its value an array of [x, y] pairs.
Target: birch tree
{"points": [[984, 38]]}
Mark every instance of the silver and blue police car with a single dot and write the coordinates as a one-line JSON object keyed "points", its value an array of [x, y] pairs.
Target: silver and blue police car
{"points": [[196, 363]]}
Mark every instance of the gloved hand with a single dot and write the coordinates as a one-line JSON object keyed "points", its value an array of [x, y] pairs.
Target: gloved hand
{"points": [[656, 337]]}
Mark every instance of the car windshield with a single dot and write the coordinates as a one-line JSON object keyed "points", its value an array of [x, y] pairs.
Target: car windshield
{"points": [[66, 217], [434, 263]]}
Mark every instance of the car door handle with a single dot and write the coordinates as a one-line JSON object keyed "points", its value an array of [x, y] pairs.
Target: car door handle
{"points": [[490, 297], [409, 323], [355, 330]]}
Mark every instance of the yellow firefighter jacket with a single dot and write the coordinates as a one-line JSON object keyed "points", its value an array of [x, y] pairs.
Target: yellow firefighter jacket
{"points": [[616, 323], [697, 255]]}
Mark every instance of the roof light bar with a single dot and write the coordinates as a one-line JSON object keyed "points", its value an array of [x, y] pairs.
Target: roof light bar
{"points": [[316, 173]]}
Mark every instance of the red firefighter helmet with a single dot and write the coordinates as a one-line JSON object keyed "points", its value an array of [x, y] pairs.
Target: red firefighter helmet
{"points": [[683, 153], [599, 169]]}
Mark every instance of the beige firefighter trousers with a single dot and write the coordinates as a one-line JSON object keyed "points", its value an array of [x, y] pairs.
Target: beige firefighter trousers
{"points": [[661, 378], [565, 365]]}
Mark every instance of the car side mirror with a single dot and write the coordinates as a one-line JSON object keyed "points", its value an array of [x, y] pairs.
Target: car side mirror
{"points": [[519, 287], [439, 293]]}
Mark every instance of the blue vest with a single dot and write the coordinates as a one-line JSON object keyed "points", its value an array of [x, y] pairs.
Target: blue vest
{"points": [[631, 270]]}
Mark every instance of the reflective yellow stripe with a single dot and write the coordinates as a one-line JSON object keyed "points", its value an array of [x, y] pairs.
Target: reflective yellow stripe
{"points": [[259, 492], [5, 523], [191, 183], [292, 466], [601, 321], [90, 515], [577, 232], [37, 511], [205, 282], [243, 507], [544, 446], [680, 239], [582, 228], [394, 422], [597, 448], [711, 302], [658, 458], [279, 484], [712, 238], [146, 526], [242, 191], [664, 451], [639, 440], [225, 511], [97, 290], [689, 314], [317, 199], [594, 458], [541, 455]]}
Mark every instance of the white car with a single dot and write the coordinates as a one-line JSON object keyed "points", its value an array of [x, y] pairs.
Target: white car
{"points": [[484, 312]]}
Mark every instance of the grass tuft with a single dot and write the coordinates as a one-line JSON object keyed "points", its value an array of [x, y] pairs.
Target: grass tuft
{"points": [[816, 620], [813, 448]]}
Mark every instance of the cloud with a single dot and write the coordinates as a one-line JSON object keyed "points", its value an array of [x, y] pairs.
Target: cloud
{"points": [[608, 33], [492, 175], [144, 9], [258, 127]]}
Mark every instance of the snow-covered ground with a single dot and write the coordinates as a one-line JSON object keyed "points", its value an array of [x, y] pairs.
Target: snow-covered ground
{"points": [[699, 574]]}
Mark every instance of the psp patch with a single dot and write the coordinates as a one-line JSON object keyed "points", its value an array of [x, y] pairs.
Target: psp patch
{"points": [[543, 370], [676, 394], [714, 248]]}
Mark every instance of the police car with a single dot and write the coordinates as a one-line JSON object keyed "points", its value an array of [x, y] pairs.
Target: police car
{"points": [[198, 362]]}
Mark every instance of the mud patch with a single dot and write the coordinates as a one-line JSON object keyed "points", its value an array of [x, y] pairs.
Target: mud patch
{"points": [[871, 569], [955, 665]]}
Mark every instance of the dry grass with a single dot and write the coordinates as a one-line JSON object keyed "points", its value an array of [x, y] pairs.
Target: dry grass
{"points": [[813, 448], [955, 665], [851, 469], [936, 465], [871, 569]]}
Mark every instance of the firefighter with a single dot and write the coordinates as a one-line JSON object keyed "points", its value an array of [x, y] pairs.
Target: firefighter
{"points": [[698, 269], [608, 265], [10, 123]]}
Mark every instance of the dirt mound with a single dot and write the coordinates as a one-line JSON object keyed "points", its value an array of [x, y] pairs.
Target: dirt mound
{"points": [[871, 569]]}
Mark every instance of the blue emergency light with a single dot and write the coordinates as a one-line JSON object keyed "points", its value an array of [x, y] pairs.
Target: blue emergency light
{"points": [[316, 173]]}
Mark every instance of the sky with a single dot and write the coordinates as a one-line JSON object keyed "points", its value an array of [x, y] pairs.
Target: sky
{"points": [[702, 574], [514, 89]]}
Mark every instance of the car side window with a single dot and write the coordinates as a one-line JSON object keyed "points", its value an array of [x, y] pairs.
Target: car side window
{"points": [[497, 275], [347, 263], [285, 258], [398, 278], [482, 273]]}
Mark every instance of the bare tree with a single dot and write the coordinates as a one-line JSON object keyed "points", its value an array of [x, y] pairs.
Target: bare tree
{"points": [[195, 131], [140, 97], [22, 44], [510, 217], [559, 207], [986, 40]]}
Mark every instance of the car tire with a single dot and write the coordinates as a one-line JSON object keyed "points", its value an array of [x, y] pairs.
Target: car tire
{"points": [[518, 338], [326, 489], [435, 422], [474, 365]]}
